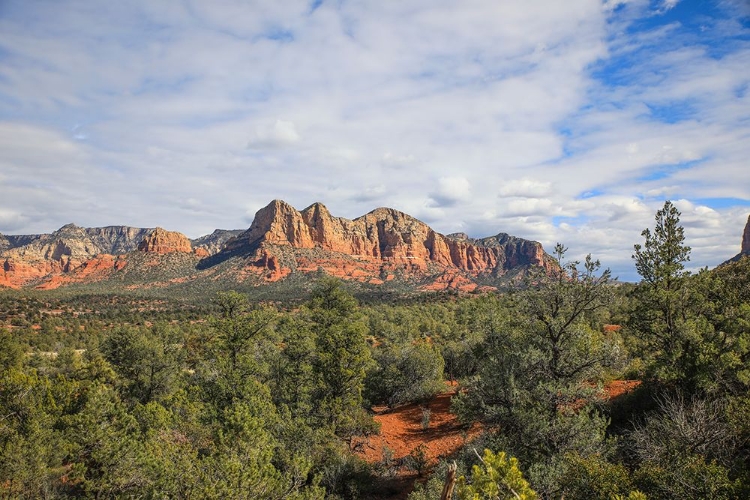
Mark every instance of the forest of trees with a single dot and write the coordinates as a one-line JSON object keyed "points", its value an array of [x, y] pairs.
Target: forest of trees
{"points": [[234, 399]]}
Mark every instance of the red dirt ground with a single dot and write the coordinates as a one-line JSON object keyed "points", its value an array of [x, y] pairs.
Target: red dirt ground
{"points": [[617, 388], [401, 432]]}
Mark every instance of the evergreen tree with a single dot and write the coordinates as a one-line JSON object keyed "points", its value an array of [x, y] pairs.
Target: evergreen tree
{"points": [[661, 297], [534, 382], [148, 362], [693, 328], [497, 478], [343, 357]]}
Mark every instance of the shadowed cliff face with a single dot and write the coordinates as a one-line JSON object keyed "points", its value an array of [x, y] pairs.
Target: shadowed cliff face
{"points": [[745, 248], [383, 236], [213, 243]]}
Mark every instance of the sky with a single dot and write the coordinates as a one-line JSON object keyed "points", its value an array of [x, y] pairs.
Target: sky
{"points": [[557, 121]]}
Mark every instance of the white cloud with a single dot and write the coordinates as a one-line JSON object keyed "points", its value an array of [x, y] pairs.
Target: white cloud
{"points": [[668, 5], [279, 134], [549, 120], [11, 220], [526, 187], [397, 161], [527, 206], [451, 190]]}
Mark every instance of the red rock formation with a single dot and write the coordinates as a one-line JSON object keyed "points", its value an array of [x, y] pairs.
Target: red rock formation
{"points": [[162, 241], [382, 246], [746, 238], [450, 280], [27, 259], [16, 272], [383, 237], [202, 252]]}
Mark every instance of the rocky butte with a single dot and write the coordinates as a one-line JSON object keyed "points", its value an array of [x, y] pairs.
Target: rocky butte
{"points": [[382, 245], [163, 241], [385, 246], [26, 259]]}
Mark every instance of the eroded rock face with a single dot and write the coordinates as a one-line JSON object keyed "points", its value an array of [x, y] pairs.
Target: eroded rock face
{"points": [[116, 240], [383, 246], [746, 238], [27, 259], [384, 236], [162, 241], [32, 257]]}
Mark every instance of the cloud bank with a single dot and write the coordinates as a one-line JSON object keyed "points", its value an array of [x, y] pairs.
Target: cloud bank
{"points": [[556, 121]]}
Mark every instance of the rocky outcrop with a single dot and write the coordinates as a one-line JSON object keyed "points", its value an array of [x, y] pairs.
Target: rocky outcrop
{"points": [[27, 259], [116, 240], [745, 246], [35, 256], [383, 247], [384, 236], [76, 242], [213, 243], [162, 241]]}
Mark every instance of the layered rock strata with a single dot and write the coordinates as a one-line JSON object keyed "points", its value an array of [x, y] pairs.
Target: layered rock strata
{"points": [[162, 241], [213, 243], [383, 246], [31, 259], [384, 236]]}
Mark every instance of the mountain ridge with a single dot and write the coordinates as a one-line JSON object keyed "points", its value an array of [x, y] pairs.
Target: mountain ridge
{"points": [[384, 245]]}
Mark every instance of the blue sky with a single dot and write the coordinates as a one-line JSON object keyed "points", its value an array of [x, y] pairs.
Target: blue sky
{"points": [[555, 121]]}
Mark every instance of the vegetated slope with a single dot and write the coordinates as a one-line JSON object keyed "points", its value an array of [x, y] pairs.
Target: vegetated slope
{"points": [[383, 249]]}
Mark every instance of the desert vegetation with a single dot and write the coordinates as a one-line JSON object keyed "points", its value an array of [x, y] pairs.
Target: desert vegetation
{"points": [[224, 397]]}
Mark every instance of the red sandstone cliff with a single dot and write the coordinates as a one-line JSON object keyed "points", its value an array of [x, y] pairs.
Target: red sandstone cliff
{"points": [[382, 241], [33, 260], [382, 246], [163, 241]]}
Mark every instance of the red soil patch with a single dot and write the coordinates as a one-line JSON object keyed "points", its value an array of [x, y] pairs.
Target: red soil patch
{"points": [[401, 432], [401, 428], [617, 388]]}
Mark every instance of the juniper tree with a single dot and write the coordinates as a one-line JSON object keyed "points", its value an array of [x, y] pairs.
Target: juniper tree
{"points": [[537, 372]]}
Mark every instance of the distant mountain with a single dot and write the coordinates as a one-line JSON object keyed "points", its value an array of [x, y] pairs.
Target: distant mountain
{"points": [[75, 241], [214, 242], [384, 248]]}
